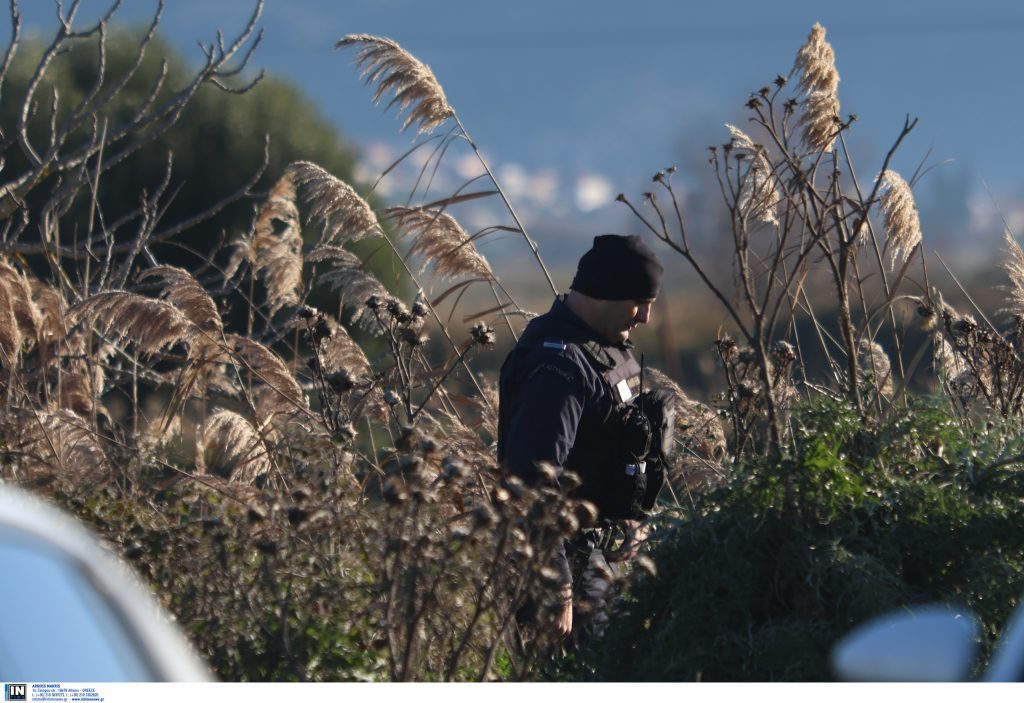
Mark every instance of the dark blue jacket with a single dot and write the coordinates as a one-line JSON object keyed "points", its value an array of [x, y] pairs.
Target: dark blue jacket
{"points": [[561, 388]]}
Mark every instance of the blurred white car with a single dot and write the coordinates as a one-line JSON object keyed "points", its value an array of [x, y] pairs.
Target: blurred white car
{"points": [[72, 611], [927, 644]]}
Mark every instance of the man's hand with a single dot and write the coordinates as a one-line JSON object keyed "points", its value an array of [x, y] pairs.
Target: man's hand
{"points": [[563, 623], [636, 535]]}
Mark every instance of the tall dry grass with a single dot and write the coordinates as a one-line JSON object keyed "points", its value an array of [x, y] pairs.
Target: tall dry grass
{"points": [[329, 475]]}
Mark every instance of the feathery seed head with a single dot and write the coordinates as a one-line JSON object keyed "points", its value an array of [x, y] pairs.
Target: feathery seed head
{"points": [[819, 80], [442, 242], [874, 367], [231, 447], [759, 191], [820, 120], [274, 247], [902, 223], [411, 82], [187, 294], [360, 288], [1013, 264], [334, 204], [816, 63]]}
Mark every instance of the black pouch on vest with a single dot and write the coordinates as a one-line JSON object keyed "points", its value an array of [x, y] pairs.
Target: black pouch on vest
{"points": [[659, 407], [627, 485]]}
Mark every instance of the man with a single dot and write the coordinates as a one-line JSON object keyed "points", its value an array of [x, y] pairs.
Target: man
{"points": [[568, 398]]}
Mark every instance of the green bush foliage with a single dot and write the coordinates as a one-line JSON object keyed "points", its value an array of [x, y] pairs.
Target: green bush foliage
{"points": [[771, 569]]}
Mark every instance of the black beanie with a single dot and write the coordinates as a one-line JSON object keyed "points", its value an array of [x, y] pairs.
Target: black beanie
{"points": [[618, 268]]}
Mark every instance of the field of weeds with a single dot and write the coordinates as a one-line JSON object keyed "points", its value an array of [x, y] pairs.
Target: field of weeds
{"points": [[313, 492]]}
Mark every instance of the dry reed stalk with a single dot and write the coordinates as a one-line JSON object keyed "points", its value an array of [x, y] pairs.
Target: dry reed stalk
{"points": [[760, 192], [902, 223], [1013, 264], [153, 325], [397, 71], [340, 352], [442, 242], [280, 392], [348, 275], [274, 247], [183, 291], [819, 80], [26, 312], [56, 443], [874, 367], [231, 448], [343, 214], [698, 427]]}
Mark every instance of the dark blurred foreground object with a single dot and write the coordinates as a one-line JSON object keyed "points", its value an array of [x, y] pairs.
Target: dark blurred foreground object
{"points": [[74, 612]]}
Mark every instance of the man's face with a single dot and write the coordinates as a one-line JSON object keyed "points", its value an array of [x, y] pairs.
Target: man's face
{"points": [[620, 317]]}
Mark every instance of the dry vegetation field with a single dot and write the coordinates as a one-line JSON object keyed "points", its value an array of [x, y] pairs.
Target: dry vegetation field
{"points": [[313, 492]]}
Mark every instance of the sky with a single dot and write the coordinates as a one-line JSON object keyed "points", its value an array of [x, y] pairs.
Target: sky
{"points": [[573, 102]]}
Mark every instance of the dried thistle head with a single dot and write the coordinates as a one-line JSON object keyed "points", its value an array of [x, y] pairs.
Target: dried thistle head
{"points": [[819, 80], [442, 242], [759, 192], [902, 223], [483, 334], [334, 204], [412, 82]]}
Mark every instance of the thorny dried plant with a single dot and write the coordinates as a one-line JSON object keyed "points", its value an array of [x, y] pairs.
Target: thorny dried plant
{"points": [[799, 221], [335, 500], [338, 503]]}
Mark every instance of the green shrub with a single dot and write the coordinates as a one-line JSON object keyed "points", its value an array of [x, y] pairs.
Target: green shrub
{"points": [[770, 570]]}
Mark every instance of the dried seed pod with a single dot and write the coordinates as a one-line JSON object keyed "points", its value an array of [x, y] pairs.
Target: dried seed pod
{"points": [[521, 554], [515, 486], [645, 563], [569, 480], [586, 513], [568, 523], [395, 491], [455, 469], [549, 575], [484, 516]]}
